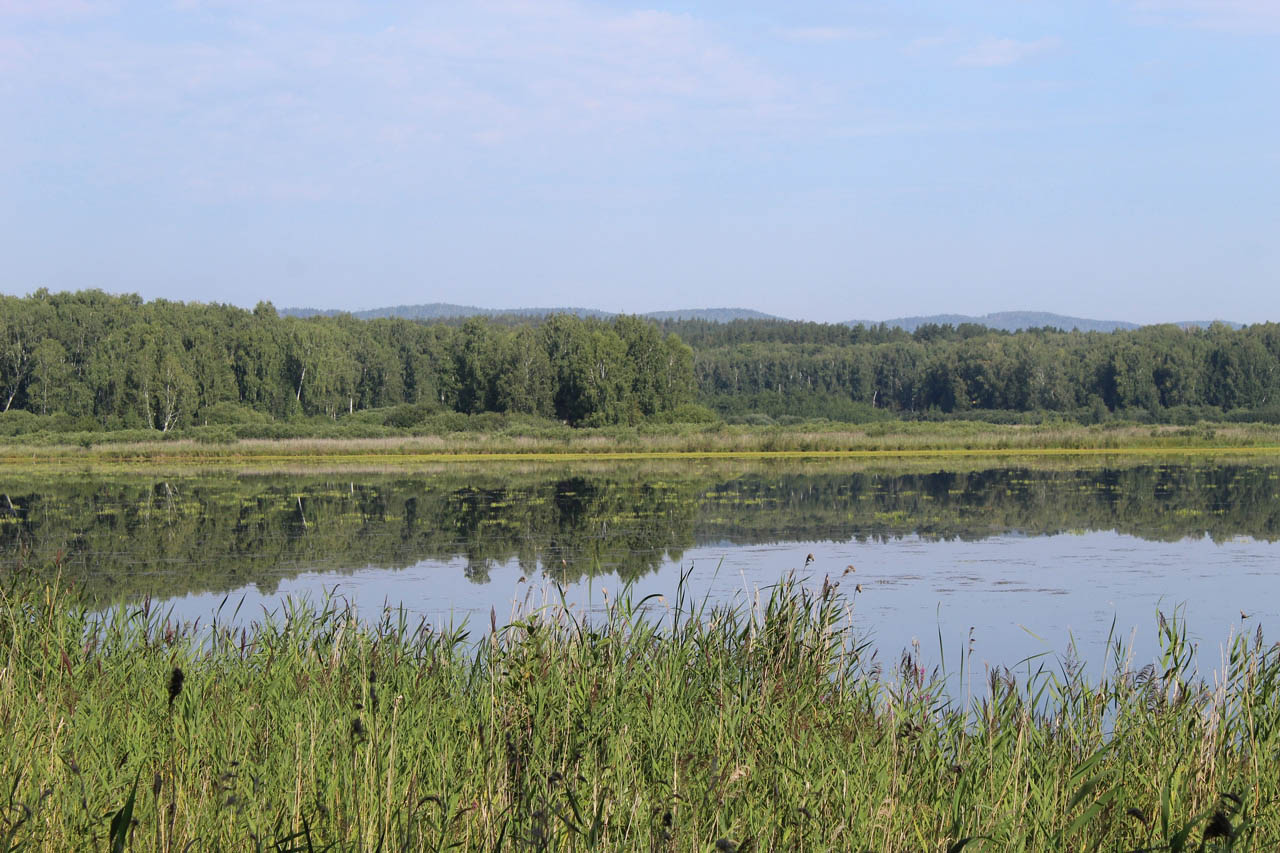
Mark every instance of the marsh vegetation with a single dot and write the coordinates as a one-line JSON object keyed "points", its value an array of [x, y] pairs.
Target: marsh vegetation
{"points": [[655, 725]]}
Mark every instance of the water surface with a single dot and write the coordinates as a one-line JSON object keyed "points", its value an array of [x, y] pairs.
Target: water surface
{"points": [[1026, 557]]}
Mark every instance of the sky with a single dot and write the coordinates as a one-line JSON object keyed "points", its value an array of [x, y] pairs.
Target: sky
{"points": [[1114, 159]]}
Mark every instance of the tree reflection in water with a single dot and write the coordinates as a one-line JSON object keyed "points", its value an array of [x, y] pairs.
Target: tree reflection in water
{"points": [[123, 537]]}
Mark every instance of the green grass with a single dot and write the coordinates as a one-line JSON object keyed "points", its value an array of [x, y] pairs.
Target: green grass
{"points": [[894, 439], [668, 726]]}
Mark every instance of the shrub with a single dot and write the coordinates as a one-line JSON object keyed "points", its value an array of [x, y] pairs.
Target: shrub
{"points": [[230, 414]]}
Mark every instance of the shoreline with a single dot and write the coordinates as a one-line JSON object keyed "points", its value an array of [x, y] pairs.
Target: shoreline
{"points": [[656, 456], [909, 441]]}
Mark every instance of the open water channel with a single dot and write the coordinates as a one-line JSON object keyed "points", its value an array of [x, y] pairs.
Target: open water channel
{"points": [[1012, 560]]}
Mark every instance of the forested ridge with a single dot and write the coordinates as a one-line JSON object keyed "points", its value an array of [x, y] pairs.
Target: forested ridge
{"points": [[93, 361]]}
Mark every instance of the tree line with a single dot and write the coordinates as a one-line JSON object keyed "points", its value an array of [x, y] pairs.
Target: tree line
{"points": [[121, 363], [1153, 372], [98, 361]]}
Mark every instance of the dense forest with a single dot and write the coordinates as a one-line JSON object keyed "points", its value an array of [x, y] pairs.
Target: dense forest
{"points": [[92, 361], [119, 362], [1161, 373]]}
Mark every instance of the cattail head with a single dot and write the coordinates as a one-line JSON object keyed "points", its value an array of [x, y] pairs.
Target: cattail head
{"points": [[175, 684], [1219, 826]]}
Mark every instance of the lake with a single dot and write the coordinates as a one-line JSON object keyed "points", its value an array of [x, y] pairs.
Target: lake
{"points": [[1012, 560]]}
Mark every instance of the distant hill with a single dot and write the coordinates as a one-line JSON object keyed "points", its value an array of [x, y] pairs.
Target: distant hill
{"points": [[714, 315], [1009, 321], [447, 311], [442, 311], [1204, 324], [1012, 321]]}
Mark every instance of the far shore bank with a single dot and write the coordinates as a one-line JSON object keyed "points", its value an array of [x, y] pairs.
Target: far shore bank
{"points": [[827, 441]]}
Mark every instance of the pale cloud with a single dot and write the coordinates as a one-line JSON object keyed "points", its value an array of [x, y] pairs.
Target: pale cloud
{"points": [[14, 56], [581, 63], [488, 70], [54, 10], [821, 35], [927, 44], [1244, 16], [998, 52], [312, 107], [334, 11]]}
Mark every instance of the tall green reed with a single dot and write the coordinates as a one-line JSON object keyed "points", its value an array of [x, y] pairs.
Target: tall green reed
{"points": [[656, 723]]}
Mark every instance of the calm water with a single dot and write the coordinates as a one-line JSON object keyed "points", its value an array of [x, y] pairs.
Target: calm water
{"points": [[1026, 559]]}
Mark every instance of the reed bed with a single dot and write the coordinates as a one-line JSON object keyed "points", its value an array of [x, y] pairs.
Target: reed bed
{"points": [[647, 725], [891, 439]]}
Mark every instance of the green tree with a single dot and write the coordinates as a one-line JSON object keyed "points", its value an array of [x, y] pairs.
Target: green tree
{"points": [[524, 377], [49, 391], [476, 366]]}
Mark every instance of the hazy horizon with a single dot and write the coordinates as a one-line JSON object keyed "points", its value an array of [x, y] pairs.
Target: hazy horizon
{"points": [[682, 308], [1112, 159]]}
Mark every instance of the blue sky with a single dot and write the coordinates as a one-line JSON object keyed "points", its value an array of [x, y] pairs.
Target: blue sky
{"points": [[828, 161]]}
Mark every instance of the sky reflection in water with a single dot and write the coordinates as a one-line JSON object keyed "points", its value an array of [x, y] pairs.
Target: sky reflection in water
{"points": [[1022, 596]]}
